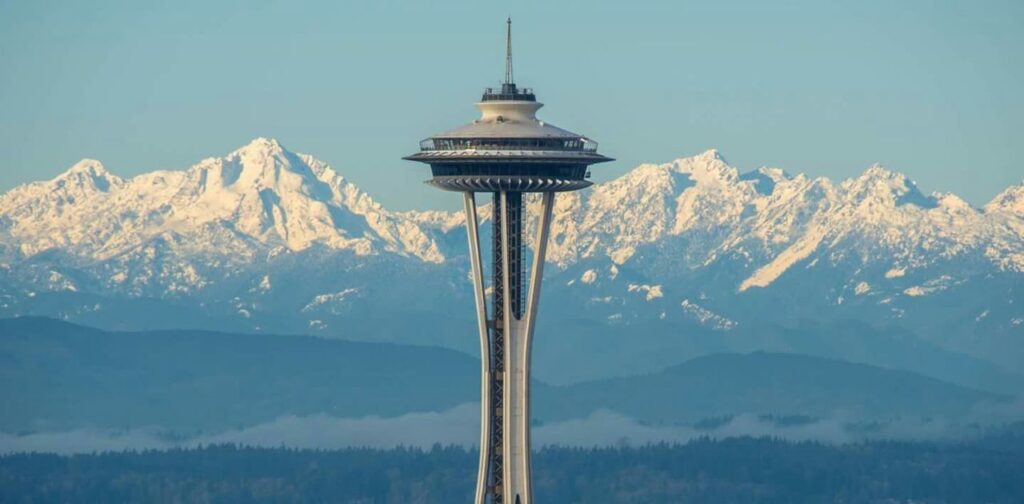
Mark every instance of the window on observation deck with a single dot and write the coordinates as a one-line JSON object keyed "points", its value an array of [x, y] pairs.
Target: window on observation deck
{"points": [[563, 171]]}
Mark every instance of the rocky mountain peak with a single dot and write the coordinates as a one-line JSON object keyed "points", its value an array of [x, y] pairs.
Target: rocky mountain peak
{"points": [[879, 185], [86, 165], [707, 167], [87, 174], [261, 145], [952, 202], [1009, 201]]}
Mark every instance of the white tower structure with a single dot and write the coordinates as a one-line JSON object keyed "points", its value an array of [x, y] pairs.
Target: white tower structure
{"points": [[507, 152]]}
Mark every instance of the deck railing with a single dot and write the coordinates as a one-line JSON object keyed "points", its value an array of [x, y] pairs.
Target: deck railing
{"points": [[579, 144]]}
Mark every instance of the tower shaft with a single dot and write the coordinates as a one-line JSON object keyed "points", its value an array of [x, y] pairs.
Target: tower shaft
{"points": [[506, 337]]}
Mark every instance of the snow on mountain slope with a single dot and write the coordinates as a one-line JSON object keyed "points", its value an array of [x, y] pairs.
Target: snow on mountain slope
{"points": [[60, 213], [767, 246], [712, 213], [256, 198], [700, 195], [263, 198], [267, 239], [1010, 201]]}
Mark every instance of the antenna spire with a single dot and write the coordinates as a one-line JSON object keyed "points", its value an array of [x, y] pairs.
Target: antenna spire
{"points": [[508, 53]]}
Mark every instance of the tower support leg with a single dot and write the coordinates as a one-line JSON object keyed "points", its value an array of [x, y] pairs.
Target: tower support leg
{"points": [[476, 268]]}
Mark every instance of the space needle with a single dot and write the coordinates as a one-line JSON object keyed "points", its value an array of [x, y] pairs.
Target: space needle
{"points": [[507, 152]]}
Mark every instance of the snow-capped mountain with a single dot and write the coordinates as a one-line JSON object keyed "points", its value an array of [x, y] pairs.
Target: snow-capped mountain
{"points": [[256, 198], [691, 252]]}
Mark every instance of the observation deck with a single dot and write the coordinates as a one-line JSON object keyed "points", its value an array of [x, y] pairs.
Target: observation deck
{"points": [[508, 149]]}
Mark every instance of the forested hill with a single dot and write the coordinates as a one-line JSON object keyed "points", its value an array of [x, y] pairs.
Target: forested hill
{"points": [[65, 376], [761, 382], [57, 376], [744, 470]]}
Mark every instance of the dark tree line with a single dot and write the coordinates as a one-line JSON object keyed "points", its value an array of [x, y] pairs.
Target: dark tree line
{"points": [[733, 471]]}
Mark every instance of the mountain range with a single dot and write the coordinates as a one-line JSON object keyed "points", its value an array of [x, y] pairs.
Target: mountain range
{"points": [[665, 263]]}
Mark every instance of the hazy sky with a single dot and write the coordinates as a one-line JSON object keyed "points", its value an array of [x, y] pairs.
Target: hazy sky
{"points": [[929, 88]]}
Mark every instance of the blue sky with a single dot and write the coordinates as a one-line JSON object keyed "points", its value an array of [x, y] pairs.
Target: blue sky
{"points": [[931, 89]]}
